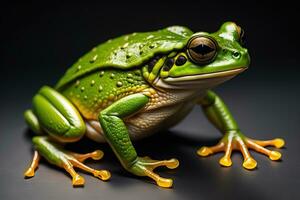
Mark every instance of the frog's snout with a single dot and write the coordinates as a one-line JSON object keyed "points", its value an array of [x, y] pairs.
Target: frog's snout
{"points": [[242, 57], [246, 57]]}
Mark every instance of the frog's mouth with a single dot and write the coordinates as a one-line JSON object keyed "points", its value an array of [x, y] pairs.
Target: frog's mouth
{"points": [[198, 81]]}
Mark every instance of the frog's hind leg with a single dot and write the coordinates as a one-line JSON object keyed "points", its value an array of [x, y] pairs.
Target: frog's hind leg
{"points": [[64, 159], [55, 154], [34, 164], [54, 115], [32, 121], [34, 125]]}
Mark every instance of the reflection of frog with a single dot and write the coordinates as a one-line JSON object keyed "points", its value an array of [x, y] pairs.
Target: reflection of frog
{"points": [[138, 84]]}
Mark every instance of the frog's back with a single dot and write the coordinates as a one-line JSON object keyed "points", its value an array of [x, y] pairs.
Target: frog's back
{"points": [[96, 91], [127, 52]]}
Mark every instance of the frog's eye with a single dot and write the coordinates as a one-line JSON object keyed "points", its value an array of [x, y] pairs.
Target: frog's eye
{"points": [[201, 49]]}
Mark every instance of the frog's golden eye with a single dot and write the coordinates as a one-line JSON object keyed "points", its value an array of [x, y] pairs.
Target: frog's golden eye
{"points": [[202, 49]]}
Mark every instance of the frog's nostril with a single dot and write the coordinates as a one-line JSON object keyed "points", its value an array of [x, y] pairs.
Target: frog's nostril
{"points": [[236, 55]]}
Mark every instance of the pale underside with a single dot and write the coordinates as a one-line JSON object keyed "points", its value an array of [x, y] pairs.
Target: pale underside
{"points": [[164, 110]]}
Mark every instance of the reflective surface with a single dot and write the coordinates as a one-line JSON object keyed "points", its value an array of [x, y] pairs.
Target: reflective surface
{"points": [[196, 177]]}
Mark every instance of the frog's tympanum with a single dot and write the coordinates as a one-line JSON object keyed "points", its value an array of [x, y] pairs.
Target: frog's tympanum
{"points": [[135, 85]]}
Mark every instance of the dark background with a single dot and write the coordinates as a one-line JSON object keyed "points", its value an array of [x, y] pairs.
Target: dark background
{"points": [[39, 41]]}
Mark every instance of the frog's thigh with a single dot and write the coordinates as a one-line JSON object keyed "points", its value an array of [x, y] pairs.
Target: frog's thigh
{"points": [[32, 121], [57, 116]]}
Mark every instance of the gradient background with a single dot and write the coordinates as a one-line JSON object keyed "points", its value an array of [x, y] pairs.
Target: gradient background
{"points": [[40, 41]]}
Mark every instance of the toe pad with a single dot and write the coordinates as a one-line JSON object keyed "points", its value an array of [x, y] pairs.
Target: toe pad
{"points": [[204, 151], [275, 155], [249, 163]]}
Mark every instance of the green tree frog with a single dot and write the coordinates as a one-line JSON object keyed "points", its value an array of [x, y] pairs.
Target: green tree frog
{"points": [[135, 85]]}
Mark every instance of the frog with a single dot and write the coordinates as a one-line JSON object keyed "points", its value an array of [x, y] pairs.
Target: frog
{"points": [[138, 84]]}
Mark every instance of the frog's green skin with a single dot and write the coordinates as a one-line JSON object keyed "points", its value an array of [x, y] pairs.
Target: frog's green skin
{"points": [[135, 85]]}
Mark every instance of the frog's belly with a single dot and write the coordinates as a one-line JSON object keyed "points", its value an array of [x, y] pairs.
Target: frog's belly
{"points": [[146, 123]]}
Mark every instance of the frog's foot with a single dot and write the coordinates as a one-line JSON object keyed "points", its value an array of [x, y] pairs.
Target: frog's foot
{"points": [[144, 166], [236, 141], [76, 160], [34, 164], [65, 159]]}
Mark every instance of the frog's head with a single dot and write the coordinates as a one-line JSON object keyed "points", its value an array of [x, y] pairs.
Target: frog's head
{"points": [[207, 60]]}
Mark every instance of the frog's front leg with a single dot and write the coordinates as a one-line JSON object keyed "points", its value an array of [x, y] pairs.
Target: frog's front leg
{"points": [[54, 115], [233, 139], [116, 133]]}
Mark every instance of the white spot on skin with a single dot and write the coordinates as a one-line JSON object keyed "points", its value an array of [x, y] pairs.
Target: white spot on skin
{"points": [[100, 88], [94, 58], [125, 45], [92, 83], [152, 46], [101, 73], [128, 55], [119, 84], [77, 83], [150, 36]]}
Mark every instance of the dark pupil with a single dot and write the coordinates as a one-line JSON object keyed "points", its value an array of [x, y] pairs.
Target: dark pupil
{"points": [[202, 49]]}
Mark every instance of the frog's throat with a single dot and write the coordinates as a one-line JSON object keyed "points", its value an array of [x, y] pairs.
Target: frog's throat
{"points": [[204, 81]]}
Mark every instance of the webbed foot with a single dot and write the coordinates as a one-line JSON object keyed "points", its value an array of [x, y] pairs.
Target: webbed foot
{"points": [[77, 161], [237, 141], [65, 159], [144, 166]]}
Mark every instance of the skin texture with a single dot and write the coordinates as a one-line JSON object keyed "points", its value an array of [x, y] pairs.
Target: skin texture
{"points": [[135, 85]]}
